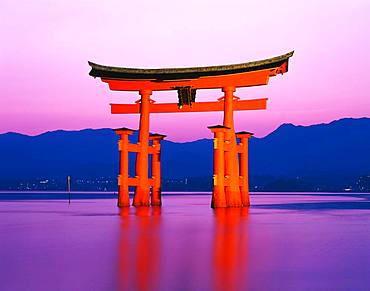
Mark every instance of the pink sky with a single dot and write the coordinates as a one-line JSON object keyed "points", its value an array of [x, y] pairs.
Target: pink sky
{"points": [[45, 46]]}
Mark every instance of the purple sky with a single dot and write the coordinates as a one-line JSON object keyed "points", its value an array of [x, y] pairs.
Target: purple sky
{"points": [[45, 46]]}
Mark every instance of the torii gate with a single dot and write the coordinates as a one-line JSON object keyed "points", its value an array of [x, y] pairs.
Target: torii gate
{"points": [[230, 179]]}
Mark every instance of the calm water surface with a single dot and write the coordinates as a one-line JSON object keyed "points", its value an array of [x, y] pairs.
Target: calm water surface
{"points": [[283, 242]]}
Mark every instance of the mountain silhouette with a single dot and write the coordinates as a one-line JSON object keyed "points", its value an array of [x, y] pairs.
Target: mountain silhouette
{"points": [[324, 154]]}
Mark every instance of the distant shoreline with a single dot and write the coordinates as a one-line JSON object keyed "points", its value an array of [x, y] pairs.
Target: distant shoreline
{"points": [[174, 192]]}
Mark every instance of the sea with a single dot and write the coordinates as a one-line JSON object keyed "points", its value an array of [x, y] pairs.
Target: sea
{"points": [[284, 241]]}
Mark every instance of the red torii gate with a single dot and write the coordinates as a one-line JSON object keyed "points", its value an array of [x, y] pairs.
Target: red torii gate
{"points": [[230, 186]]}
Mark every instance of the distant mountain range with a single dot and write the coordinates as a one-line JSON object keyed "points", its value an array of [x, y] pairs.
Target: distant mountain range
{"points": [[323, 157]]}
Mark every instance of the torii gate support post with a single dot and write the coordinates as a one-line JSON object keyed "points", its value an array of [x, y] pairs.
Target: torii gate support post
{"points": [[123, 190], [142, 190], [218, 194], [156, 169], [233, 198], [243, 165]]}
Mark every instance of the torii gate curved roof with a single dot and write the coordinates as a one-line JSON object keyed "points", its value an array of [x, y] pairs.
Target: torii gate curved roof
{"points": [[239, 75]]}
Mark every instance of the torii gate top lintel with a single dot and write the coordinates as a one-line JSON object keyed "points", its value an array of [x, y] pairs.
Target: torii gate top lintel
{"points": [[248, 74]]}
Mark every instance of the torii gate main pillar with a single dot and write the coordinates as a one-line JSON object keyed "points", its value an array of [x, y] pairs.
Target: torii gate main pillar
{"points": [[142, 190], [232, 190]]}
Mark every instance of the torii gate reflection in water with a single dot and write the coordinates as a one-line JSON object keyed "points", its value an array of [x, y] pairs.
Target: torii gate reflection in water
{"points": [[230, 179]]}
